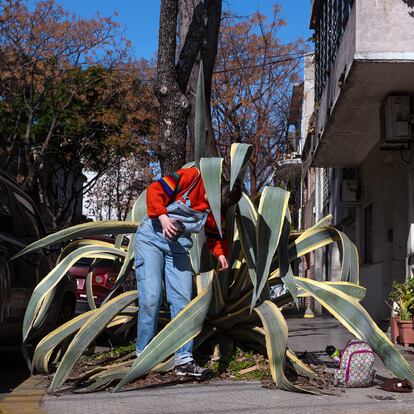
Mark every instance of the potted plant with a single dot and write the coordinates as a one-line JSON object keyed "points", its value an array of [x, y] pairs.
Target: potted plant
{"points": [[394, 318], [403, 295]]}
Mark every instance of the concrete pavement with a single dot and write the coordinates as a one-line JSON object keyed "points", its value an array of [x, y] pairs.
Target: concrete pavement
{"points": [[245, 397]]}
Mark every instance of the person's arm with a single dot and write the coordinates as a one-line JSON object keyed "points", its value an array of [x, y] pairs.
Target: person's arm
{"points": [[162, 192], [215, 243]]}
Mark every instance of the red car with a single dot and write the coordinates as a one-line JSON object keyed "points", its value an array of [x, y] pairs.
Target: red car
{"points": [[103, 279], [104, 276]]}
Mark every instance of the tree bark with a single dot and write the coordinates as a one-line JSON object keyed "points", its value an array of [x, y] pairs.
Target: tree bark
{"points": [[172, 86], [174, 105]]}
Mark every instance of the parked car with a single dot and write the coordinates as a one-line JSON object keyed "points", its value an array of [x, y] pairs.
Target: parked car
{"points": [[20, 225], [104, 275]]}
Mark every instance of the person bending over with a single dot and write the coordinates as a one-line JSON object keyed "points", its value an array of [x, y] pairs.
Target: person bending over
{"points": [[177, 206]]}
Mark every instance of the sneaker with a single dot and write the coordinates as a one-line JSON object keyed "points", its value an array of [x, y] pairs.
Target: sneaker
{"points": [[191, 369]]}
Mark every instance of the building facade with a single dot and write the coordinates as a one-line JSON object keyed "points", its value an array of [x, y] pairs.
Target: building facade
{"points": [[360, 148]]}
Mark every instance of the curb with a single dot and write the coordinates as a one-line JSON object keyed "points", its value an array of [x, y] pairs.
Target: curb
{"points": [[25, 398]]}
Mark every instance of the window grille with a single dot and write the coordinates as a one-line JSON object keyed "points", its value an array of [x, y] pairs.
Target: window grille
{"points": [[330, 24]]}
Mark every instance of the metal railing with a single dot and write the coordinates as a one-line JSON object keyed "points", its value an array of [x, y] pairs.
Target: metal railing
{"points": [[329, 21]]}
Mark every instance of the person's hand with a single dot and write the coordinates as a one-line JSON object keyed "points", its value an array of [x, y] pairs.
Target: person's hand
{"points": [[224, 264], [168, 229]]}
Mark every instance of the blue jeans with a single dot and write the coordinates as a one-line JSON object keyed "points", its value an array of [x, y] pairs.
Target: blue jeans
{"points": [[155, 255]]}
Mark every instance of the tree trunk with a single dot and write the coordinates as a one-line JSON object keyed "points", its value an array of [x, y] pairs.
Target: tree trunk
{"points": [[174, 105], [172, 87]]}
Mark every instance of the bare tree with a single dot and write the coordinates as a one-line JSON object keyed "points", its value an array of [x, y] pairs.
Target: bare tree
{"points": [[115, 192], [252, 85]]}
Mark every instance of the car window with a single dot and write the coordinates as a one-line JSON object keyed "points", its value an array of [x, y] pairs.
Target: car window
{"points": [[26, 223], [6, 221]]}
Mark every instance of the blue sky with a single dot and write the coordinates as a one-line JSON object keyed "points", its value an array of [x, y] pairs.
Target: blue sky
{"points": [[140, 18]]}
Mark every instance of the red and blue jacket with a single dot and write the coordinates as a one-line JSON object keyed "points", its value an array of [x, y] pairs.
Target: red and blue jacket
{"points": [[171, 188]]}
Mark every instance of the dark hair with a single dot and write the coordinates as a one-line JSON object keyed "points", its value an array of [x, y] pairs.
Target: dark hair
{"points": [[229, 197]]}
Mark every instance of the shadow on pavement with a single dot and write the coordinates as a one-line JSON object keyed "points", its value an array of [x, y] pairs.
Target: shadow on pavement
{"points": [[13, 369]]}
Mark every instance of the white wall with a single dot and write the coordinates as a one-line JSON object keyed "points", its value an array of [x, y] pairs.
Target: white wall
{"points": [[386, 184]]}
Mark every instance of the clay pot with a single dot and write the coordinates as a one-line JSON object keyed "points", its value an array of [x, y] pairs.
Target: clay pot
{"points": [[395, 337], [406, 331]]}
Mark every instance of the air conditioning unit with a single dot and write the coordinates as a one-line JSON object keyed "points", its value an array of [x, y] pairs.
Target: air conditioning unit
{"points": [[396, 121], [350, 192]]}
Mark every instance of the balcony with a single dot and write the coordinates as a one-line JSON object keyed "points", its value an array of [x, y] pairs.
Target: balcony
{"points": [[374, 58], [289, 168]]}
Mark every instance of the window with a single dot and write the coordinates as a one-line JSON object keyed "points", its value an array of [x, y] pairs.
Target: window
{"points": [[6, 220], [368, 227], [26, 223]]}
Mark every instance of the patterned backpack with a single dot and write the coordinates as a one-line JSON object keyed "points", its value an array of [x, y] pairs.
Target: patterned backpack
{"points": [[356, 366]]}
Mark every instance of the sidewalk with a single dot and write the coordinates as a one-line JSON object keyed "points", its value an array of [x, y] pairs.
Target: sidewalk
{"points": [[245, 397]]}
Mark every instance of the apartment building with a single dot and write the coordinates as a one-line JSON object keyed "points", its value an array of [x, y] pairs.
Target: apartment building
{"points": [[358, 156]]}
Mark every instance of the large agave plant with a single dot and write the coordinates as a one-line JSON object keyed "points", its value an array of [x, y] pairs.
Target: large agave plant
{"points": [[234, 305]]}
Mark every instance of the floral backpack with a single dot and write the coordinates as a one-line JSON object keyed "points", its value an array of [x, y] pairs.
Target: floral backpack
{"points": [[356, 366]]}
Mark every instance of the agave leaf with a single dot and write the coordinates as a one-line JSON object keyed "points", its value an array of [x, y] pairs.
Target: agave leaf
{"points": [[138, 212], [118, 371], [89, 291], [104, 378], [165, 366], [211, 169], [200, 119], [299, 365], [271, 214], [120, 237], [356, 291], [123, 274], [217, 303], [43, 308], [357, 320], [44, 305], [75, 244], [242, 315], [127, 263], [247, 223], [276, 333], [36, 302], [286, 272], [239, 155], [120, 320], [139, 209], [200, 254], [89, 331], [203, 281], [231, 229], [251, 337], [185, 326], [322, 223], [81, 230], [46, 346], [313, 241], [350, 261]]}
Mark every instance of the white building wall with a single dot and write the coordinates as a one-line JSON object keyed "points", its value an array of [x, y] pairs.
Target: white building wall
{"points": [[385, 184]]}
